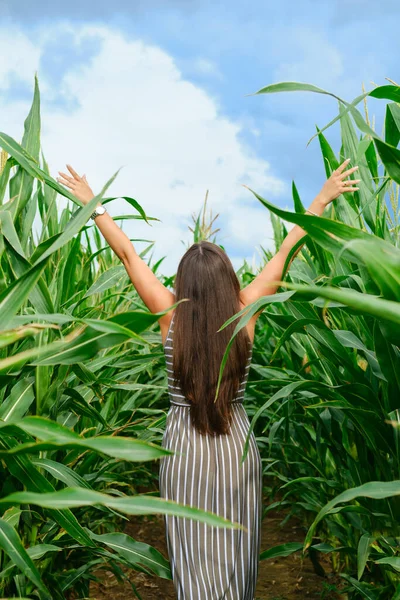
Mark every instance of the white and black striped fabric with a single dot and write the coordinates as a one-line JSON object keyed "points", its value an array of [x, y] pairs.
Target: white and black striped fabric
{"points": [[211, 563]]}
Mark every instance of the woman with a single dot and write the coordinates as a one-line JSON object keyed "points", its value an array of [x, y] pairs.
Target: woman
{"points": [[208, 430]]}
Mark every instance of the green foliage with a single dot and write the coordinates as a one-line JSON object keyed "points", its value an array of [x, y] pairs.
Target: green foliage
{"points": [[83, 390], [83, 385], [325, 387]]}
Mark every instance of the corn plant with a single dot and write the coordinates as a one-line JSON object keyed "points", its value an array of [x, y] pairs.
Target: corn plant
{"points": [[326, 368], [83, 390]]}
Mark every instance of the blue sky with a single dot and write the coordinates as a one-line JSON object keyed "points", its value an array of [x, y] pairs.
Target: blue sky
{"points": [[161, 87]]}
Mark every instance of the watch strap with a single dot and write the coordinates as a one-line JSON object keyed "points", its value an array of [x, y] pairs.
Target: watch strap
{"points": [[98, 212]]}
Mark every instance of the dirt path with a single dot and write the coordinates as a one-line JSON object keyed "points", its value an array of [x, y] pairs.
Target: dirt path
{"points": [[281, 579]]}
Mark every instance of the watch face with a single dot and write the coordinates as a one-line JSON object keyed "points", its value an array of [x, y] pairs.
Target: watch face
{"points": [[100, 210]]}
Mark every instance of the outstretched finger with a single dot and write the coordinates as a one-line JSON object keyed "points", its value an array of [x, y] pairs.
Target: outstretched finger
{"points": [[66, 183], [67, 177], [74, 173], [343, 165], [349, 171]]}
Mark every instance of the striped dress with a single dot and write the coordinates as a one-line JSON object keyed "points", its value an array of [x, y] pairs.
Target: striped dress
{"points": [[211, 563]]}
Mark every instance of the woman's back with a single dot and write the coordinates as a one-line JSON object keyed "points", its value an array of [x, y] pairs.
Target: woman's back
{"points": [[176, 397], [210, 562]]}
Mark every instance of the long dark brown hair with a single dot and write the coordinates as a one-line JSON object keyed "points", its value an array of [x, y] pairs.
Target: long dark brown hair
{"points": [[207, 278]]}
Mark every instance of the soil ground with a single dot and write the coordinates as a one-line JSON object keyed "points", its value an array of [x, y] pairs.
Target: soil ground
{"points": [[287, 578]]}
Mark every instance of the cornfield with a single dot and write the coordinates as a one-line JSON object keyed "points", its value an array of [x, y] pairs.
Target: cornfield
{"points": [[83, 397]]}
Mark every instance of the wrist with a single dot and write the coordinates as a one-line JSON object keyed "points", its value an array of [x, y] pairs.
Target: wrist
{"points": [[321, 200], [86, 199], [98, 211], [319, 204]]}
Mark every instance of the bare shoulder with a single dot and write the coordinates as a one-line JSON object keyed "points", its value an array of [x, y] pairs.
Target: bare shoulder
{"points": [[165, 322], [252, 323]]}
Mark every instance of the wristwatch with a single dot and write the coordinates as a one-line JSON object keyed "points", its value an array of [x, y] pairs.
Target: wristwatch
{"points": [[99, 210]]}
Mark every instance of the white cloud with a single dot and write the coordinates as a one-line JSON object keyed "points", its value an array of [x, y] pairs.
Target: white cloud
{"points": [[132, 107], [19, 58], [207, 67], [250, 226]]}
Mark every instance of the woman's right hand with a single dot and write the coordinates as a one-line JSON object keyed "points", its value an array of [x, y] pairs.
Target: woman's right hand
{"points": [[78, 185], [337, 184]]}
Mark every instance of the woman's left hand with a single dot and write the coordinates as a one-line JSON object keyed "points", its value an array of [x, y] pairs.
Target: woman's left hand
{"points": [[337, 183], [78, 185]]}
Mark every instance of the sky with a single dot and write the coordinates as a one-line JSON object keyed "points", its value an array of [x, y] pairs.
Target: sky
{"points": [[165, 90]]}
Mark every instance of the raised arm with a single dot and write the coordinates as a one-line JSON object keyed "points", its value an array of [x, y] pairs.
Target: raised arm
{"points": [[153, 293], [264, 283]]}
